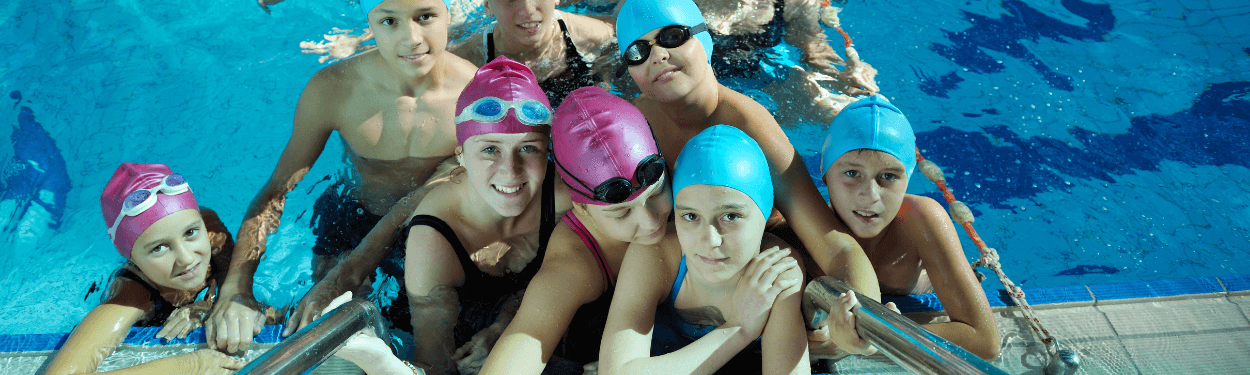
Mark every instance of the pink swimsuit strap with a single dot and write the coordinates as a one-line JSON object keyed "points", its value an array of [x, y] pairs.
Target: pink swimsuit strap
{"points": [[577, 227]]}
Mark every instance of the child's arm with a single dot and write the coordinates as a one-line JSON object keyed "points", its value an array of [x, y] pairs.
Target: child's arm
{"points": [[784, 348], [627, 337], [972, 324], [568, 279], [104, 328]]}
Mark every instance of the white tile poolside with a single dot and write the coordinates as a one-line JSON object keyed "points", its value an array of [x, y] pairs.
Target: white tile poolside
{"points": [[1202, 334]]}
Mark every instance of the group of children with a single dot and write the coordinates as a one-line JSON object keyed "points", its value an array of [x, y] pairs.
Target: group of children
{"points": [[676, 238]]}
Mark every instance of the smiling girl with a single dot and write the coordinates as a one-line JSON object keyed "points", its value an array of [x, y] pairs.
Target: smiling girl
{"points": [[173, 246]]}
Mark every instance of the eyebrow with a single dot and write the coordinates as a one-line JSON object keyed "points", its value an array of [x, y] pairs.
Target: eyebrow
{"points": [[418, 10]]}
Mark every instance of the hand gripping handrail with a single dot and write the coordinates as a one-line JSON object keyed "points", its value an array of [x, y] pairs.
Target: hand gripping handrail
{"points": [[899, 338], [317, 342]]}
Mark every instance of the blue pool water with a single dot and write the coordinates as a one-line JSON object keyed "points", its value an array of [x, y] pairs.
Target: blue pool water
{"points": [[1096, 142]]}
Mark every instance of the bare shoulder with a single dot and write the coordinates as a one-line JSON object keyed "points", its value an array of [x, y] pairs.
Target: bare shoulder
{"points": [[590, 33], [470, 49], [923, 211], [442, 198], [569, 262], [752, 118]]}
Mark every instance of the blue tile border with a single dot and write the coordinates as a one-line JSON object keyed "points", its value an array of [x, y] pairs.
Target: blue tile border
{"points": [[1236, 283], [145, 336], [1094, 293]]}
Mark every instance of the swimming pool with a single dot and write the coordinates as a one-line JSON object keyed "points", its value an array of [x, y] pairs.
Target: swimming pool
{"points": [[1096, 143]]}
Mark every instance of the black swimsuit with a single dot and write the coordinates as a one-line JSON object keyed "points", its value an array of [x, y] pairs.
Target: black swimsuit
{"points": [[483, 294], [161, 308], [576, 72]]}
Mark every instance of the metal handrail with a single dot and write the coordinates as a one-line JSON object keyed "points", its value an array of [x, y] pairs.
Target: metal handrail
{"points": [[317, 342], [899, 338]]}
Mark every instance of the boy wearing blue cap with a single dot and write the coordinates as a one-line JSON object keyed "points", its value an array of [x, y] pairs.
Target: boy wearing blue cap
{"points": [[393, 107], [667, 48], [867, 158]]}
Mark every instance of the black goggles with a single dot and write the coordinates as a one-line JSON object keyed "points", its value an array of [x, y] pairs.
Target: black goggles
{"points": [[618, 189], [671, 36]]}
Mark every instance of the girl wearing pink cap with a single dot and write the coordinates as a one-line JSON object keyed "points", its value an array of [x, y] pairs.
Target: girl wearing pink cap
{"points": [[606, 155], [173, 247], [477, 240]]}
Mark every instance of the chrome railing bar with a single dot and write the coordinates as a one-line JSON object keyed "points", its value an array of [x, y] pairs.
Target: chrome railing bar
{"points": [[896, 336], [318, 341]]}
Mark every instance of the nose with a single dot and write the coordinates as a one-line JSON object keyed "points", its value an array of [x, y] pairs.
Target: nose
{"points": [[414, 34], [871, 191], [651, 220], [714, 237], [185, 256], [658, 54], [511, 164]]}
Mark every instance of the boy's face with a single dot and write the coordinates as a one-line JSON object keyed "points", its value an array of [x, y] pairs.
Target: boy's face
{"points": [[720, 230], [669, 74], [506, 170], [174, 252], [866, 189], [643, 220], [524, 22], [411, 34]]}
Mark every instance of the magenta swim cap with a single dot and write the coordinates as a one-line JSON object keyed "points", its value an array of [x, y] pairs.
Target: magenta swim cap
{"points": [[515, 110], [129, 178], [598, 136]]}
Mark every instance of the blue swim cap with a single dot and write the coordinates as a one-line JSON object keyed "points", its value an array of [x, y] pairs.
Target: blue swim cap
{"points": [[722, 155], [870, 123], [638, 17], [368, 5]]}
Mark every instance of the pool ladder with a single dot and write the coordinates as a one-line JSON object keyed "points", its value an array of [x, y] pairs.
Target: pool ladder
{"points": [[904, 341], [317, 342]]}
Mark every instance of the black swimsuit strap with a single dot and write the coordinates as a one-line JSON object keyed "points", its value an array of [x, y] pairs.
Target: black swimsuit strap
{"points": [[471, 275]]}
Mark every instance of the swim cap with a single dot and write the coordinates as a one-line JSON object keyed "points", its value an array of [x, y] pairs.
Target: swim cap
{"points": [[638, 17], [368, 5], [509, 81], [870, 123], [722, 155], [128, 178], [598, 136]]}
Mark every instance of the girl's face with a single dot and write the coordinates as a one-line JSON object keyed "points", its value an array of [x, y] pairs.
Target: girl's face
{"points": [[174, 251], [866, 189], [410, 34], [720, 230], [506, 170], [643, 220], [670, 74], [524, 22]]}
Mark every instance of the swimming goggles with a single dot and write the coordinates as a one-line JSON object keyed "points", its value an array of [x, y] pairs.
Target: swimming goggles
{"points": [[618, 189], [491, 109], [141, 200], [671, 36]]}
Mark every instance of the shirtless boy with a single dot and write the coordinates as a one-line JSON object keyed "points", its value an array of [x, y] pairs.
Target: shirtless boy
{"points": [[393, 107]]}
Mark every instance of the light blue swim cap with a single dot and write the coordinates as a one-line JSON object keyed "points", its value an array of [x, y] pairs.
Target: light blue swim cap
{"points": [[368, 5], [638, 17], [870, 123], [722, 155]]}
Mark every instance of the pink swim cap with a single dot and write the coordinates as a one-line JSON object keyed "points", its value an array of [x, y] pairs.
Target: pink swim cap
{"points": [[598, 136], [508, 81], [128, 178]]}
